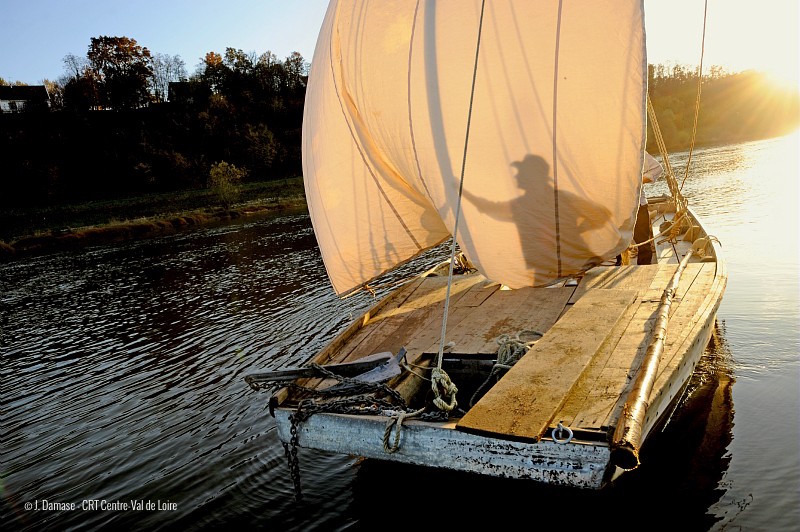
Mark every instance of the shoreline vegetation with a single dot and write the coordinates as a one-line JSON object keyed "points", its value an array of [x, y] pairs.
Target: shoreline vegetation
{"points": [[127, 144], [71, 227]]}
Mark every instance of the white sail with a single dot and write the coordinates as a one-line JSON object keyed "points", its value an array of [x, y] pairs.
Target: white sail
{"points": [[556, 139]]}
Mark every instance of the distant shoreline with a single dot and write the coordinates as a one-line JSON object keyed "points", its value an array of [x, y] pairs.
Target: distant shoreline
{"points": [[52, 240]]}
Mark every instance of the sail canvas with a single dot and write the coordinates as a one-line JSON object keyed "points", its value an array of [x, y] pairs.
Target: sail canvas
{"points": [[552, 167]]}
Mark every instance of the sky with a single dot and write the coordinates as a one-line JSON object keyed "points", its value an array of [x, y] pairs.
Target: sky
{"points": [[35, 35]]}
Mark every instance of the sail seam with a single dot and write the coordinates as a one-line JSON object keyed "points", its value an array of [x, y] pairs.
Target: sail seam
{"points": [[360, 150], [555, 150]]}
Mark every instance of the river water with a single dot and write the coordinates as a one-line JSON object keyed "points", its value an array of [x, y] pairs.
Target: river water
{"points": [[122, 380]]}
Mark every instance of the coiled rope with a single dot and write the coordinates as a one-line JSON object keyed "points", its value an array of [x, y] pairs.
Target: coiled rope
{"points": [[511, 349]]}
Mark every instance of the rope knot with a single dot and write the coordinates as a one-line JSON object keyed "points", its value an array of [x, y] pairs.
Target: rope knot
{"points": [[443, 388]]}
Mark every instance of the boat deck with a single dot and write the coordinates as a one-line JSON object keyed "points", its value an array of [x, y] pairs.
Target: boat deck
{"points": [[596, 330], [595, 333]]}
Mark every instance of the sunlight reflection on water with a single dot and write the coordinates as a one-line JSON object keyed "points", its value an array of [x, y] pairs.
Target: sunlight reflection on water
{"points": [[123, 366]]}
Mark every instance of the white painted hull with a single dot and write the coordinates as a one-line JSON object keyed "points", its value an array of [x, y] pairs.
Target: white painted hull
{"points": [[439, 445]]}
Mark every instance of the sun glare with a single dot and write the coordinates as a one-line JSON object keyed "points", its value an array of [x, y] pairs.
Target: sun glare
{"points": [[783, 79]]}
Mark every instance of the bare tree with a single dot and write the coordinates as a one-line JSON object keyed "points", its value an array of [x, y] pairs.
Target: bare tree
{"points": [[74, 65], [166, 69]]}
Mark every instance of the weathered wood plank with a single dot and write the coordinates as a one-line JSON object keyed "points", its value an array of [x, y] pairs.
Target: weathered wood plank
{"points": [[666, 254], [393, 300], [397, 327], [611, 372], [624, 338], [332, 352], [656, 289], [691, 291], [631, 277], [594, 412], [381, 320], [523, 403], [427, 338], [477, 294], [508, 312], [688, 312], [370, 333], [473, 330]]}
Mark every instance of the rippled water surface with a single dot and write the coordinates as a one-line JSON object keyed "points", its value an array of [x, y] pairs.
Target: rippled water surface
{"points": [[122, 379]]}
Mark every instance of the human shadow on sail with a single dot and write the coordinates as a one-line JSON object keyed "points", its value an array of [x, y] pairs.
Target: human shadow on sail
{"points": [[553, 223]]}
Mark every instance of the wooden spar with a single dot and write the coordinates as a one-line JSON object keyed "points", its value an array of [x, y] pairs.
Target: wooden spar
{"points": [[348, 369], [628, 434]]}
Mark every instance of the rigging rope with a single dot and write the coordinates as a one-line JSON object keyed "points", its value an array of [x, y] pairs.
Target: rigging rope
{"points": [[699, 88], [441, 384]]}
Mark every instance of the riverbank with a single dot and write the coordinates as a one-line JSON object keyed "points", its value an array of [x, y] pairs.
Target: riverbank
{"points": [[66, 227]]}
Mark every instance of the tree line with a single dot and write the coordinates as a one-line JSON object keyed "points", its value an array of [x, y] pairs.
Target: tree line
{"points": [[114, 130], [734, 107], [125, 121]]}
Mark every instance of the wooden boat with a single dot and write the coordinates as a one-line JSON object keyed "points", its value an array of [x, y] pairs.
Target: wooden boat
{"points": [[564, 361]]}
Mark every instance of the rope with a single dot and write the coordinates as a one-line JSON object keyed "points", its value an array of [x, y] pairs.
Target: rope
{"points": [[439, 378], [398, 421], [697, 99], [676, 223], [669, 175], [510, 351]]}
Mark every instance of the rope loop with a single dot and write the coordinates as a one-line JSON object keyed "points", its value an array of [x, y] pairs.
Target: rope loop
{"points": [[444, 390], [396, 420]]}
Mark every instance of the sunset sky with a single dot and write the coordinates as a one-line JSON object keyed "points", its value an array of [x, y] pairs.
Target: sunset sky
{"points": [[35, 35]]}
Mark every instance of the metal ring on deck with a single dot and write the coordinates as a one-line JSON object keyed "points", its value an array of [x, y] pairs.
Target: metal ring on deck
{"points": [[559, 431]]}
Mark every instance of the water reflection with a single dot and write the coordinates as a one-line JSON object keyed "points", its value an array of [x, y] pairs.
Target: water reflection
{"points": [[122, 378], [122, 375]]}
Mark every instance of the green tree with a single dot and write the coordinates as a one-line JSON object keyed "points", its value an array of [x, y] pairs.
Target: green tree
{"points": [[224, 179], [55, 90]]}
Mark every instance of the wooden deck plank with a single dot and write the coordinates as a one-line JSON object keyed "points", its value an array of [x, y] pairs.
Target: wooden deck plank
{"points": [[611, 367], [356, 328], [627, 335], [706, 301], [594, 412], [611, 373], [666, 255], [427, 338], [688, 311], [523, 403], [417, 335], [630, 277], [381, 328], [691, 290], [395, 327], [508, 312]]}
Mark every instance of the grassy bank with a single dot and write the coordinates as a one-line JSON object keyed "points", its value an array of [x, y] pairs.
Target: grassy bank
{"points": [[42, 229]]}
